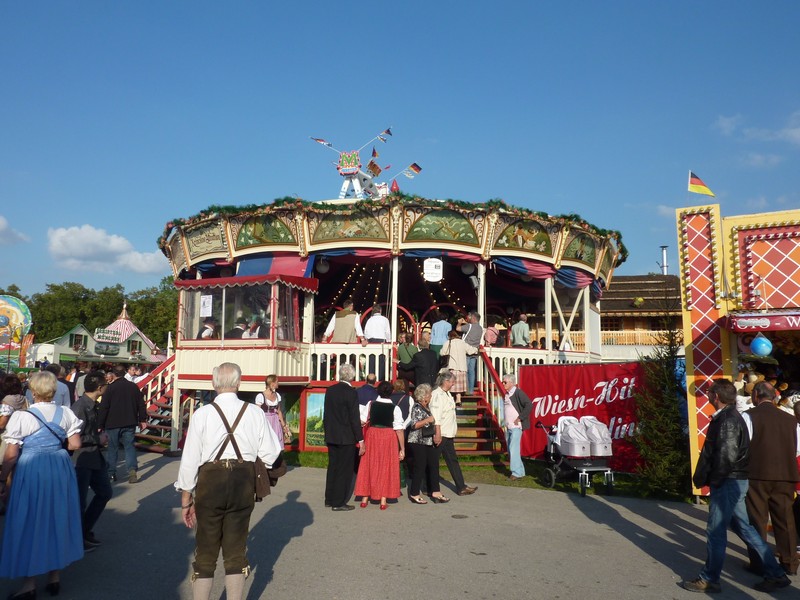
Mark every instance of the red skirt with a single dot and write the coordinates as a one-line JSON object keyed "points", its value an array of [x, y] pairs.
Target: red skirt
{"points": [[379, 470]]}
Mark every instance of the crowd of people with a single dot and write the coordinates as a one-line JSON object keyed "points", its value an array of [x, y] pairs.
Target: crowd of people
{"points": [[750, 462], [379, 429], [44, 491]]}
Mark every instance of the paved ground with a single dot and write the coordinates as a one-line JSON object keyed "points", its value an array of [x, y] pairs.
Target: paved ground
{"points": [[503, 543]]}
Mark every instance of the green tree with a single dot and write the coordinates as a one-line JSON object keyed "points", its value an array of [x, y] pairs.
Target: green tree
{"points": [[13, 290], [155, 311], [59, 308], [663, 438], [104, 308]]}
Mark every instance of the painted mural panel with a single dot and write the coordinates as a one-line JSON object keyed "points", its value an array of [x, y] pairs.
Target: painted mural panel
{"points": [[581, 247], [443, 226], [526, 235], [357, 225], [205, 239], [264, 229]]}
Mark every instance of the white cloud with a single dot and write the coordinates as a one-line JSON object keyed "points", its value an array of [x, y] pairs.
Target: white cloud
{"points": [[759, 203], [9, 236], [727, 125], [789, 133], [87, 248], [761, 161], [665, 211]]}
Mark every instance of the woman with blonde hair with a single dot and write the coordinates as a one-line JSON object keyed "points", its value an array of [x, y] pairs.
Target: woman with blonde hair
{"points": [[43, 531], [270, 402]]}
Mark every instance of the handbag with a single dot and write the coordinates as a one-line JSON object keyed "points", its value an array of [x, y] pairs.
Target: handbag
{"points": [[428, 430]]}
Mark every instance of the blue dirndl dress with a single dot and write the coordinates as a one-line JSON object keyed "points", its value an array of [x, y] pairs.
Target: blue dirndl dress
{"points": [[43, 523]]}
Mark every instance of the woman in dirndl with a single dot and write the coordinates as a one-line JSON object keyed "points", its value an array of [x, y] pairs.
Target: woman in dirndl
{"points": [[456, 351], [379, 471], [43, 531], [270, 402]]}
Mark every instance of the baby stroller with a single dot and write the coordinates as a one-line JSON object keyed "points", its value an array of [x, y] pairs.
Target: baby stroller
{"points": [[577, 447]]}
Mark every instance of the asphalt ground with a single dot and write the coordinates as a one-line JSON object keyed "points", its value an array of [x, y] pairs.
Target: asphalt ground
{"points": [[501, 542]]}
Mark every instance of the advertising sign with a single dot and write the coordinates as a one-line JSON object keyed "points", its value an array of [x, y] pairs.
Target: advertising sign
{"points": [[604, 391]]}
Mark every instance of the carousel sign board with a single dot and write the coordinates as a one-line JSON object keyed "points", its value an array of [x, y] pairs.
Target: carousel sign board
{"points": [[765, 322], [432, 269]]}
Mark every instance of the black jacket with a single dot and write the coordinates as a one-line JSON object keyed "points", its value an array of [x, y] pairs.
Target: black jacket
{"points": [[726, 452], [425, 365], [122, 405], [523, 405], [341, 419]]}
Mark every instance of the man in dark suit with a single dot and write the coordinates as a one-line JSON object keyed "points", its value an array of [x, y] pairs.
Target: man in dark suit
{"points": [[236, 332], [342, 432], [424, 363], [121, 409], [517, 419]]}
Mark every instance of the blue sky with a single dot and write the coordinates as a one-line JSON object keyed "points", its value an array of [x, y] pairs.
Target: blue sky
{"points": [[117, 116]]}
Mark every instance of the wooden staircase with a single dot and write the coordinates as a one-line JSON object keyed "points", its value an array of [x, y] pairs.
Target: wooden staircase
{"points": [[480, 440], [158, 390]]}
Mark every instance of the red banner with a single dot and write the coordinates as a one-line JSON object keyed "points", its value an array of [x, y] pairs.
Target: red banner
{"points": [[604, 391]]}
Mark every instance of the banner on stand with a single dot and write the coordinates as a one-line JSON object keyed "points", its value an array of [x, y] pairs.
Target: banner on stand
{"points": [[605, 391]]}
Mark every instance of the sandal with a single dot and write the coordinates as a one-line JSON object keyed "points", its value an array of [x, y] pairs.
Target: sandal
{"points": [[417, 500], [439, 500]]}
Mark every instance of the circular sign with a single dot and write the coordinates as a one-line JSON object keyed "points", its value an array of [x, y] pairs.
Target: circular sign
{"points": [[432, 269]]}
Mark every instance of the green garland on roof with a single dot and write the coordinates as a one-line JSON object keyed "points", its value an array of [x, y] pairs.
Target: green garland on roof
{"points": [[571, 220]]}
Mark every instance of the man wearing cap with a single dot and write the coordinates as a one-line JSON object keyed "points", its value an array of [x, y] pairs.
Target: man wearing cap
{"points": [[238, 330], [207, 331]]}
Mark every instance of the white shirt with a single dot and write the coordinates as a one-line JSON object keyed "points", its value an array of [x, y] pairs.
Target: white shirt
{"points": [[207, 434], [443, 409], [377, 327], [511, 414], [22, 424], [332, 326], [261, 399]]}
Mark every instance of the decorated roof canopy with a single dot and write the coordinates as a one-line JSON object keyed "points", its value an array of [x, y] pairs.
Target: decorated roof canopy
{"points": [[286, 235]]}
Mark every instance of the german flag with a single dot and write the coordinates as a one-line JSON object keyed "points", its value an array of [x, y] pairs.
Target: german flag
{"points": [[697, 186]]}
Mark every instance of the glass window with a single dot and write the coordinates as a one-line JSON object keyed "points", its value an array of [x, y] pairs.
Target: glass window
{"points": [[611, 324]]}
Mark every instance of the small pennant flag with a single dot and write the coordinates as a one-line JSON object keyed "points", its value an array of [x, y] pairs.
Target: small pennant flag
{"points": [[373, 168], [408, 174], [321, 141], [387, 167], [415, 168], [387, 131], [395, 187], [697, 186], [374, 152], [381, 138]]}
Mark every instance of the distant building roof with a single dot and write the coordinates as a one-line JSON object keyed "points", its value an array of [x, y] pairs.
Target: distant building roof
{"points": [[126, 328], [642, 295]]}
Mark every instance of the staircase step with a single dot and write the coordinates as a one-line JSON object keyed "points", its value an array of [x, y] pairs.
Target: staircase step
{"points": [[153, 438], [159, 427], [154, 415]]}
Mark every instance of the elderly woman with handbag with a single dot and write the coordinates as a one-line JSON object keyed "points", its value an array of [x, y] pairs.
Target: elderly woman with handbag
{"points": [[43, 533], [425, 455]]}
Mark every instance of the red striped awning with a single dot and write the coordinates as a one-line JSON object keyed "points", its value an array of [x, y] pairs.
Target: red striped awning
{"points": [[306, 284]]}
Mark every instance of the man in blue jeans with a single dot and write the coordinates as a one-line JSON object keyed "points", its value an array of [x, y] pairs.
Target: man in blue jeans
{"points": [[472, 334], [723, 467], [517, 412], [121, 410]]}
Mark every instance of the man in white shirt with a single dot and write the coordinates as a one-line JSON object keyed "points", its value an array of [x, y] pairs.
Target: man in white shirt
{"points": [[345, 326], [378, 331], [217, 481], [517, 412]]}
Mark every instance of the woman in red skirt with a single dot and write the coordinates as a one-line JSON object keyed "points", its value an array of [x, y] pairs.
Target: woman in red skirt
{"points": [[379, 472]]}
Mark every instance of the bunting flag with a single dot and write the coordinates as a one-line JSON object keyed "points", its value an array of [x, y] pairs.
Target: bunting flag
{"points": [[374, 152], [395, 188], [381, 138], [387, 131], [373, 168], [697, 186], [321, 141], [415, 168], [407, 173], [387, 167]]}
